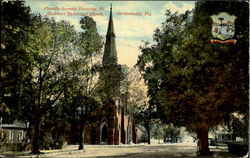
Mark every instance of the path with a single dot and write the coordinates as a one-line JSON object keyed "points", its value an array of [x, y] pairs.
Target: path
{"points": [[175, 150]]}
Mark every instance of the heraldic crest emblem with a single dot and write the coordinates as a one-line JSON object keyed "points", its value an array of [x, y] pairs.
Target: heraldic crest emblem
{"points": [[223, 28]]}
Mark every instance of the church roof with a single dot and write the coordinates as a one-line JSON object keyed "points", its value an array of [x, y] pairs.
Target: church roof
{"points": [[110, 53]]}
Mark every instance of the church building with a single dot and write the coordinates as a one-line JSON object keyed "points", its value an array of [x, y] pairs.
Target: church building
{"points": [[111, 124]]}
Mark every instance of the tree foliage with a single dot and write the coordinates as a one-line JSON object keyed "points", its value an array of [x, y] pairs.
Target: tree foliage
{"points": [[134, 94], [15, 63], [43, 59], [81, 98], [194, 83]]}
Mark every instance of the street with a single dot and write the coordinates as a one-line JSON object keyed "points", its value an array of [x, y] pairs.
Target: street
{"points": [[174, 150]]}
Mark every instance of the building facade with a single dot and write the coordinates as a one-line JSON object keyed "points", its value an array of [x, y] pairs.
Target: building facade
{"points": [[111, 124]]}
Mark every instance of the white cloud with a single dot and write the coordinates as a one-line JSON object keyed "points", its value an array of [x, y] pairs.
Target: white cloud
{"points": [[132, 6], [173, 7], [127, 51], [102, 23], [134, 26]]}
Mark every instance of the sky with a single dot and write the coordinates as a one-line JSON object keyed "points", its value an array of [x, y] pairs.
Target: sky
{"points": [[134, 21]]}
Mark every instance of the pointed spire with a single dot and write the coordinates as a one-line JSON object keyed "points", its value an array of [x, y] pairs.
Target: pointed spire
{"points": [[110, 54], [111, 25]]}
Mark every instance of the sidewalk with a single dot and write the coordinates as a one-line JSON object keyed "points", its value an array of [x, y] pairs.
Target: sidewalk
{"points": [[126, 151], [89, 151]]}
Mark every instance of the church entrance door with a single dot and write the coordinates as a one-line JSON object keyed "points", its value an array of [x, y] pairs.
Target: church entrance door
{"points": [[104, 134]]}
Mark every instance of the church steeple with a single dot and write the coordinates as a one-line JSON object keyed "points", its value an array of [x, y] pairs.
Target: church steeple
{"points": [[110, 54]]}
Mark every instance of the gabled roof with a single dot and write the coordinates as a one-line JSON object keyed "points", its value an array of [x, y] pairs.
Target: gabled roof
{"points": [[16, 125]]}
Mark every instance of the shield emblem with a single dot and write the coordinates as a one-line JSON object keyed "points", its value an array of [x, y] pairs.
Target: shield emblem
{"points": [[223, 27]]}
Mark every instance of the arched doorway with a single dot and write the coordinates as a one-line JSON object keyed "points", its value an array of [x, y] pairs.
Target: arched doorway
{"points": [[104, 133]]}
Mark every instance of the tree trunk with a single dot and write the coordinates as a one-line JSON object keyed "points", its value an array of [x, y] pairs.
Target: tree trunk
{"points": [[35, 141], [123, 141], [73, 132], [203, 148], [134, 133], [148, 131], [81, 140]]}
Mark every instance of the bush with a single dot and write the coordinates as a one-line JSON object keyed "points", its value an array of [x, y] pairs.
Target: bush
{"points": [[15, 146], [143, 139], [48, 143], [58, 144]]}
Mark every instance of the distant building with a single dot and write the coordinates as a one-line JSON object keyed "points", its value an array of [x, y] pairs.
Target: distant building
{"points": [[221, 134], [13, 133], [13, 136]]}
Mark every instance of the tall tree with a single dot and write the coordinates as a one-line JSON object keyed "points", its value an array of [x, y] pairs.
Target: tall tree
{"points": [[92, 44], [15, 62], [31, 63], [52, 42], [81, 98], [134, 92], [194, 83], [39, 58]]}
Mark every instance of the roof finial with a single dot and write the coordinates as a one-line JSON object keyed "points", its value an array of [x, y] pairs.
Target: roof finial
{"points": [[110, 6]]}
